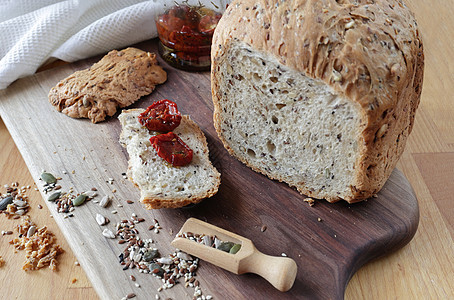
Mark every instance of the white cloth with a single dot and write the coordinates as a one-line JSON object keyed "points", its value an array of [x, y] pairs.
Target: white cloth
{"points": [[33, 31]]}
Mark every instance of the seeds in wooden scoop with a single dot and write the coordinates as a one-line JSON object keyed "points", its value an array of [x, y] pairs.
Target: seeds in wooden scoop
{"points": [[212, 241]]}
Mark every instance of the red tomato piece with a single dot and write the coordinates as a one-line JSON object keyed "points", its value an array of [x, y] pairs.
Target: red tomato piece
{"points": [[172, 149], [208, 23], [162, 116]]}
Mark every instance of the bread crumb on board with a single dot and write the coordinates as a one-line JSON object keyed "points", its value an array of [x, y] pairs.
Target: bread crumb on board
{"points": [[39, 244]]}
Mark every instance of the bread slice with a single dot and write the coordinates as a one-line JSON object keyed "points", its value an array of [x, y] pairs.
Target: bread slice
{"points": [[161, 184], [119, 79], [319, 94]]}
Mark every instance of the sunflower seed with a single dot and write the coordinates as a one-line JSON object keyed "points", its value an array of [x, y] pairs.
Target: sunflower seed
{"points": [[105, 201], [184, 255], [165, 260], [31, 231], [108, 233], [101, 219], [4, 202], [20, 212], [20, 203], [91, 194]]}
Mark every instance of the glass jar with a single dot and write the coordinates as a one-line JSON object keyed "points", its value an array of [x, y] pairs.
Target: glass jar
{"points": [[185, 34]]}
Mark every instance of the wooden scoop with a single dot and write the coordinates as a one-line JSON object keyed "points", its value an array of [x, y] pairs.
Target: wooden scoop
{"points": [[279, 271]]}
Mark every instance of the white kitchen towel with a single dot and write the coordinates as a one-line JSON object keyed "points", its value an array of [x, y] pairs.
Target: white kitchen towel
{"points": [[34, 31]]}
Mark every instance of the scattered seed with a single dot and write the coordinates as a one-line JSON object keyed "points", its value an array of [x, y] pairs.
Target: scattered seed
{"points": [[79, 200], [108, 233], [129, 296], [4, 202], [31, 231], [48, 178], [263, 228], [90, 194], [101, 220], [54, 196], [40, 206], [105, 201]]}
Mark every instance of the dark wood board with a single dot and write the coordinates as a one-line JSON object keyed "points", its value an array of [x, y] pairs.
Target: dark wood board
{"points": [[329, 242]]}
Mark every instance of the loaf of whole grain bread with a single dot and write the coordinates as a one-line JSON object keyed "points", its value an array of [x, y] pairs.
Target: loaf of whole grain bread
{"points": [[119, 79], [161, 184], [319, 94]]}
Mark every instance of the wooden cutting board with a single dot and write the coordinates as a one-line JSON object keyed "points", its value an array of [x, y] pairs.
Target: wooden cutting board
{"points": [[329, 242]]}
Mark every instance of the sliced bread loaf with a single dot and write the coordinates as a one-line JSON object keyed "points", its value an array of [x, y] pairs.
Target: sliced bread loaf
{"points": [[319, 94], [161, 184]]}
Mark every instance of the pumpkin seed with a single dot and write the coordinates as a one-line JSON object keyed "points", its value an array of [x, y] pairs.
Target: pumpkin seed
{"points": [[225, 246], [150, 254], [4, 202], [48, 178], [235, 249], [79, 200], [54, 196], [156, 269]]}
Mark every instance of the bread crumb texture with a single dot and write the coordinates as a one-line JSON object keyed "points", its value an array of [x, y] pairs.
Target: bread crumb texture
{"points": [[319, 94], [119, 79], [161, 184]]}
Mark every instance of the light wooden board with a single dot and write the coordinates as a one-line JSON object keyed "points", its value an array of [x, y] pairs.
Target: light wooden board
{"points": [[327, 252]]}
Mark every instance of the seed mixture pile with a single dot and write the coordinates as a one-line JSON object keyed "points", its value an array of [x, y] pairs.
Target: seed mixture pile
{"points": [[139, 253], [39, 244], [143, 255], [14, 203]]}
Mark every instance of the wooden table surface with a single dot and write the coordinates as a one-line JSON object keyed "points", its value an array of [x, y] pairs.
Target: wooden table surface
{"points": [[424, 269]]}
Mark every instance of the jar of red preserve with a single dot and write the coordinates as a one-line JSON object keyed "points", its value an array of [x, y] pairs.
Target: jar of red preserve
{"points": [[185, 33]]}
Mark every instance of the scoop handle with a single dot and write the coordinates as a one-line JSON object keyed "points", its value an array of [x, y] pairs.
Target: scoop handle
{"points": [[279, 271]]}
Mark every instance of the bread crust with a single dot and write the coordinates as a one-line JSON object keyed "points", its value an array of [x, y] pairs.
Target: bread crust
{"points": [[119, 79], [163, 200], [370, 53]]}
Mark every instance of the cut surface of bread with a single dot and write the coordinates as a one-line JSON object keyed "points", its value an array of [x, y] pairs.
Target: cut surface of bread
{"points": [[119, 79], [319, 94], [288, 126], [161, 184]]}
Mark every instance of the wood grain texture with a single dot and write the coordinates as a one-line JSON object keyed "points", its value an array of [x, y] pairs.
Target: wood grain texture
{"points": [[328, 242], [421, 270]]}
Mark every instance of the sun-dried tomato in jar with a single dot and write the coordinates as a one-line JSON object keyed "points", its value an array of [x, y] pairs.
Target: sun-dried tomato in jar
{"points": [[185, 34]]}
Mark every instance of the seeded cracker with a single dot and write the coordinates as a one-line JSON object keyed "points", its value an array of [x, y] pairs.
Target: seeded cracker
{"points": [[119, 79]]}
